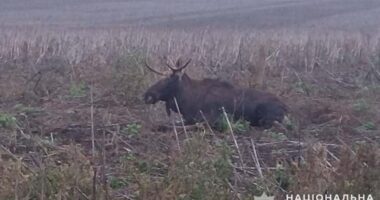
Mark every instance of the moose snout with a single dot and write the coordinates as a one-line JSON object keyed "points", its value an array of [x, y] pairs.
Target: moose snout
{"points": [[150, 98]]}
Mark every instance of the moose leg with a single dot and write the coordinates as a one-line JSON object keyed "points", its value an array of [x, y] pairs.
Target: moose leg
{"points": [[268, 114], [250, 113], [210, 116], [189, 117]]}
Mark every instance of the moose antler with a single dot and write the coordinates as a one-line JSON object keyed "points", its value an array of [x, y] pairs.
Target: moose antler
{"points": [[173, 69], [177, 69], [185, 65], [155, 71]]}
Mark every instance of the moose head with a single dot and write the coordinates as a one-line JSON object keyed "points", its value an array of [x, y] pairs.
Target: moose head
{"points": [[166, 88]]}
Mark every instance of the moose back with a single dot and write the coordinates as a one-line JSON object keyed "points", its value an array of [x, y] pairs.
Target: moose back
{"points": [[203, 99]]}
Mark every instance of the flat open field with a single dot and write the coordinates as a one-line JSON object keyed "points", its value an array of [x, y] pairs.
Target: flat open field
{"points": [[268, 14], [73, 123]]}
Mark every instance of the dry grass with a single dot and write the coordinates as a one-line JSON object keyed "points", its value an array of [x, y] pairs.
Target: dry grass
{"points": [[331, 82]]}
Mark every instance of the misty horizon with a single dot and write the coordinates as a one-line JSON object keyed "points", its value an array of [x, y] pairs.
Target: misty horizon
{"points": [[241, 14]]}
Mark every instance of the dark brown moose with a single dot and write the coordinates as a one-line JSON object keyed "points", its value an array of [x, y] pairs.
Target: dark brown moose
{"points": [[200, 99]]}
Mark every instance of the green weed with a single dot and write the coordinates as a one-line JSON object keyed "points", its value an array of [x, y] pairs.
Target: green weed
{"points": [[367, 126], [132, 129], [117, 183], [239, 126], [7, 121], [361, 105], [77, 89], [302, 87], [276, 135]]}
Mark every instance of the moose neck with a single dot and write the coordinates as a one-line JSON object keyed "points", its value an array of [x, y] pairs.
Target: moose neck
{"points": [[182, 92]]}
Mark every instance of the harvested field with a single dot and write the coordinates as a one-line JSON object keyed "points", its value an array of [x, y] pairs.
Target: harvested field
{"points": [[330, 15], [73, 124]]}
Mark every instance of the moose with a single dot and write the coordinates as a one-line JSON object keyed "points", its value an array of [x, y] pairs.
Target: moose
{"points": [[200, 100]]}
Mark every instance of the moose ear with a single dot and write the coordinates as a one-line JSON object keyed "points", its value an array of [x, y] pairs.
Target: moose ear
{"points": [[178, 63]]}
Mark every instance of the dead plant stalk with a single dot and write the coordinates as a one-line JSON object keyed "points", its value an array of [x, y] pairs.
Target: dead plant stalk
{"points": [[182, 121], [233, 137]]}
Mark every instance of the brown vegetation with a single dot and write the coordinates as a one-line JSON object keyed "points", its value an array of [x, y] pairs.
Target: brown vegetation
{"points": [[59, 88]]}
